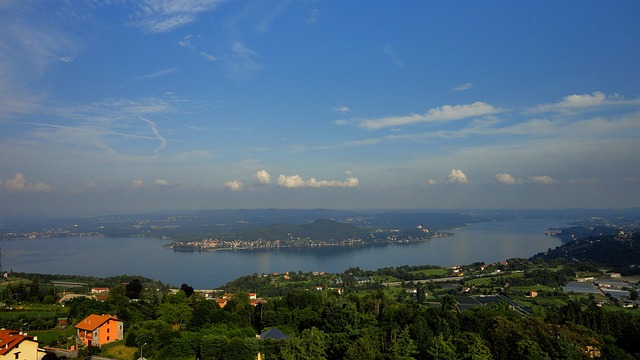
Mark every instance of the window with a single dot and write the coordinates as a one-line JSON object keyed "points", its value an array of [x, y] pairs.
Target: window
{"points": [[108, 330], [17, 355]]}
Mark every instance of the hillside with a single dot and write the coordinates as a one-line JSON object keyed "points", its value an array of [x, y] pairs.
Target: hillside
{"points": [[325, 230], [621, 250]]}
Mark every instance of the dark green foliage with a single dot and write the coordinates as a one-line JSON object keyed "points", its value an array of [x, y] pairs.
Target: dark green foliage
{"points": [[133, 289]]}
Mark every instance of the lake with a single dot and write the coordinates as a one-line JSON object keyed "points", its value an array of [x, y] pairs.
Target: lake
{"points": [[102, 257]]}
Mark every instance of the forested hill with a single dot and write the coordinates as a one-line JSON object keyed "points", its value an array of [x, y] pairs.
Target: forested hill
{"points": [[321, 230], [620, 250]]}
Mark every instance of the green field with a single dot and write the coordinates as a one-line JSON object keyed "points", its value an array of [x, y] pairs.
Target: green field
{"points": [[431, 272]]}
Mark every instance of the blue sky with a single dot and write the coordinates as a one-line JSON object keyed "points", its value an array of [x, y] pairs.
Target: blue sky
{"points": [[122, 106]]}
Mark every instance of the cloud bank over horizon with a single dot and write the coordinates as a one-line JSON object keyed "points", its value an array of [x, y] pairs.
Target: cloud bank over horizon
{"points": [[227, 104]]}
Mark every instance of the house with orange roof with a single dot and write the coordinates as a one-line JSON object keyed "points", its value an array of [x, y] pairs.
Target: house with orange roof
{"points": [[17, 345], [97, 330]]}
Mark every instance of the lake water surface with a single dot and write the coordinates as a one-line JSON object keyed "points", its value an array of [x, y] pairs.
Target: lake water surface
{"points": [[102, 257]]}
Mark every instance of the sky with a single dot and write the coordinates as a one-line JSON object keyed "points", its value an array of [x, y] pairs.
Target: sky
{"points": [[116, 106]]}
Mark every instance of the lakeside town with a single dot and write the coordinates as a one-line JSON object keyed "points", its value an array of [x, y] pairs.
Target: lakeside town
{"points": [[391, 237]]}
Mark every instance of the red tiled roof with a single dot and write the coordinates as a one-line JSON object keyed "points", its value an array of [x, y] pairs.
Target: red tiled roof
{"points": [[10, 339], [94, 321]]}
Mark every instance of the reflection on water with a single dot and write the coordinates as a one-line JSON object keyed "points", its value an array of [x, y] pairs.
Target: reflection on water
{"points": [[98, 256]]}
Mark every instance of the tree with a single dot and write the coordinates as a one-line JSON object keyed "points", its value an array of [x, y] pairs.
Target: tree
{"points": [[188, 290], [213, 347], [471, 347], [133, 289], [404, 347], [441, 348], [530, 350], [174, 313], [203, 313], [312, 344]]}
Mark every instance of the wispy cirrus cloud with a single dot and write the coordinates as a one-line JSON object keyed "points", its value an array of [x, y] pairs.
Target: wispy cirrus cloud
{"points": [[463, 87], [243, 62], [159, 16], [341, 108], [159, 73], [440, 114], [388, 50]]}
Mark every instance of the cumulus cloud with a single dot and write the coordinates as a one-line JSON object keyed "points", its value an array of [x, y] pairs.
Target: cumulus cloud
{"points": [[19, 184], [296, 181], [432, 182], [292, 181], [350, 182], [543, 180], [584, 101], [440, 114], [233, 185], [506, 179], [262, 177], [457, 176], [137, 183], [162, 182]]}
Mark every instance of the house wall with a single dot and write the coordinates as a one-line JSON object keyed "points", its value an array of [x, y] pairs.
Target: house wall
{"points": [[111, 330], [28, 350]]}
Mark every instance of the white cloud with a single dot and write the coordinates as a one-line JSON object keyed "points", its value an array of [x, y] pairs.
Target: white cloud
{"points": [[340, 109], [262, 177], [157, 135], [185, 42], [584, 101], [244, 61], [18, 184], [506, 179], [137, 183], [158, 16], [159, 73], [296, 181], [162, 182], [432, 182], [388, 50], [208, 56], [457, 176], [350, 182], [463, 87], [443, 113], [313, 16], [543, 180], [234, 185], [292, 181]]}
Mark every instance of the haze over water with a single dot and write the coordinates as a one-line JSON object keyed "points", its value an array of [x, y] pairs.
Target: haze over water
{"points": [[102, 257]]}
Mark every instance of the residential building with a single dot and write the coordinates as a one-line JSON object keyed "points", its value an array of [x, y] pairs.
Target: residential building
{"points": [[97, 330], [17, 345]]}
